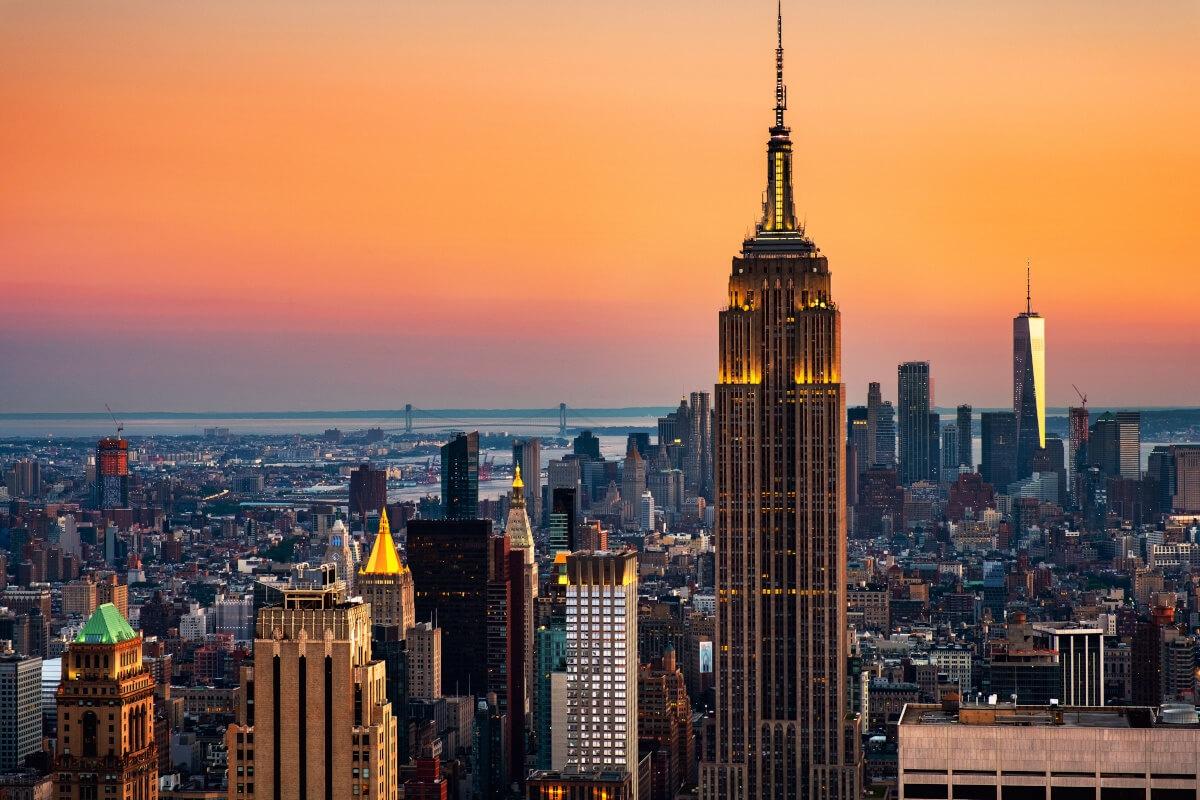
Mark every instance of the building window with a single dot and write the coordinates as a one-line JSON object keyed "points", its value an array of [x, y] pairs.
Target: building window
{"points": [[925, 791]]}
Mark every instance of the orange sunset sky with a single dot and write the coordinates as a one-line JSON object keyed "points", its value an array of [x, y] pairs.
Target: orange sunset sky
{"points": [[228, 205]]}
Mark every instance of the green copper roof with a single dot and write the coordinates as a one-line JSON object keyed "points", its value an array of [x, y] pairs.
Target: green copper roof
{"points": [[105, 626]]}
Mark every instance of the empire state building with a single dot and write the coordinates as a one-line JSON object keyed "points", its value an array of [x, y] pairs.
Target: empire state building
{"points": [[783, 727]]}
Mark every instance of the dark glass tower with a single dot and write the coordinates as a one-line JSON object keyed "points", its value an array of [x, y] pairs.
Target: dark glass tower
{"points": [[449, 562], [460, 476], [913, 398], [1029, 383], [782, 727], [998, 464], [966, 458]]}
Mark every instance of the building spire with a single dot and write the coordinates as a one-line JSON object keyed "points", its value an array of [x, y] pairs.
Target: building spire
{"points": [[780, 89], [1028, 293]]}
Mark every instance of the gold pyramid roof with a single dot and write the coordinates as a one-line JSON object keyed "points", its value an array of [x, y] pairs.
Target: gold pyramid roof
{"points": [[384, 559]]}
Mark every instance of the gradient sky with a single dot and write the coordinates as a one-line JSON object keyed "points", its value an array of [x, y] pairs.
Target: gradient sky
{"points": [[362, 203]]}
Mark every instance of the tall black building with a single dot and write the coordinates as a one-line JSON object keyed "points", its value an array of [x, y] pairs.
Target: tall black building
{"points": [[368, 491], [914, 396], [998, 466], [460, 476], [586, 444], [563, 520], [449, 563], [965, 436]]}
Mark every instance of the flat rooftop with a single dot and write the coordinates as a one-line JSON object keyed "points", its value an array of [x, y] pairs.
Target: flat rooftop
{"points": [[1011, 715]]}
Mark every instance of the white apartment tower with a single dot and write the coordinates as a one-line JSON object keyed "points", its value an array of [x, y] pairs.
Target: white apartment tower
{"points": [[602, 662]]}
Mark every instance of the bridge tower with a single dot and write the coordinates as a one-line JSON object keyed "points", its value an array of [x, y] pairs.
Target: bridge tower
{"points": [[562, 419], [408, 417]]}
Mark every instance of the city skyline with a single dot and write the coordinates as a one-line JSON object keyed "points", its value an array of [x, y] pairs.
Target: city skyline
{"points": [[251, 226]]}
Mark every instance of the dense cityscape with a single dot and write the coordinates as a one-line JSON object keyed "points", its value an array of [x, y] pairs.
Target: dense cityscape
{"points": [[774, 589]]}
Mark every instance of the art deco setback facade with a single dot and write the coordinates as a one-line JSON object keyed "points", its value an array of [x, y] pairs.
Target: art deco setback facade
{"points": [[782, 725]]}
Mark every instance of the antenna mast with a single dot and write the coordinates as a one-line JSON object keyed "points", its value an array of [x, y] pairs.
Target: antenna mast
{"points": [[1028, 294]]}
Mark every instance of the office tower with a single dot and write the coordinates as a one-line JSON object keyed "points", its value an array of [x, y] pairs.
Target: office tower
{"points": [[388, 646], [857, 433], [1026, 751], [998, 463], [874, 402], [885, 439], [640, 441], [1052, 460], [449, 563], [386, 583], [112, 473], [602, 660], [505, 666], [341, 551], [109, 589], [1185, 488], [424, 661], [566, 473], [935, 446], [673, 428], [1029, 383], [950, 452], [697, 462], [24, 479], [664, 715], [368, 492], [586, 445], [559, 785], [489, 751], [633, 483], [563, 519], [523, 602], [780, 530], [551, 662], [913, 406], [966, 434], [1104, 445], [106, 747], [647, 516], [322, 723], [20, 709], [527, 454], [1129, 444], [1081, 661], [460, 476], [1077, 432]]}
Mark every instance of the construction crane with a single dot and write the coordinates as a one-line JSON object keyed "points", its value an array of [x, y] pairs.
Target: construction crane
{"points": [[120, 425], [1082, 396]]}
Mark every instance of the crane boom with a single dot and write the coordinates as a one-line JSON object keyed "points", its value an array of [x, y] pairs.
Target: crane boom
{"points": [[1082, 396], [120, 426]]}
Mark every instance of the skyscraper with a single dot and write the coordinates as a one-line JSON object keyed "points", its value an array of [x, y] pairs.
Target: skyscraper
{"points": [[563, 519], [368, 491], [1077, 427], [998, 464], [874, 401], [460, 476], [1129, 444], [885, 436], [106, 746], [112, 473], [322, 724], [449, 563], [1029, 383], [913, 406], [780, 532], [966, 433], [20, 709], [527, 454], [950, 452], [521, 612], [602, 662], [386, 582]]}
